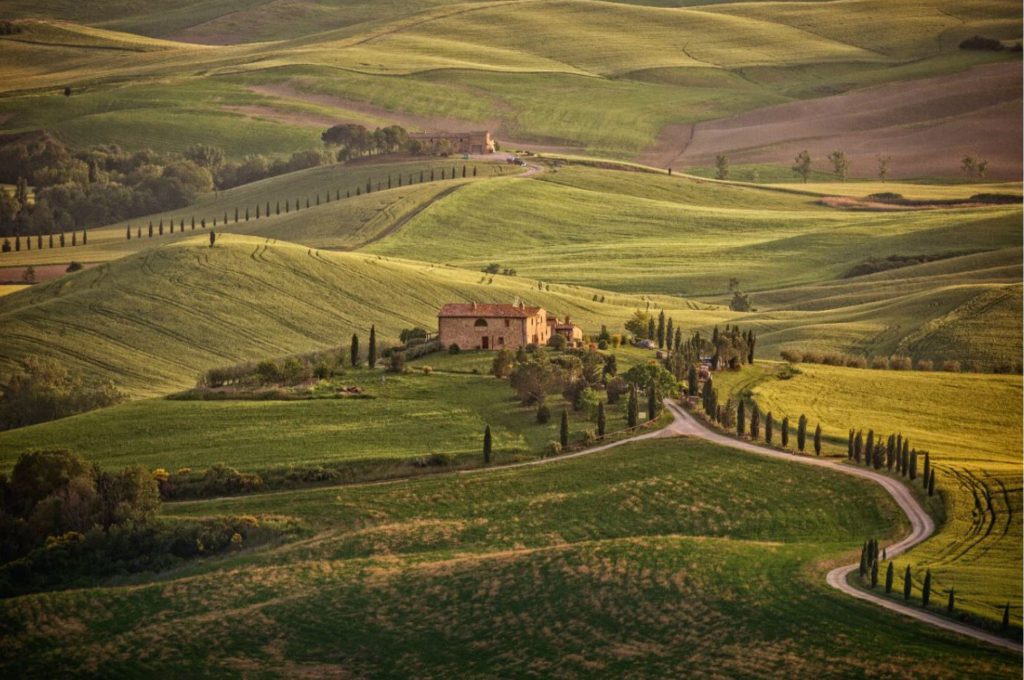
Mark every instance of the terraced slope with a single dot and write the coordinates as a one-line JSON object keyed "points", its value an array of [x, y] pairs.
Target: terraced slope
{"points": [[661, 558]]}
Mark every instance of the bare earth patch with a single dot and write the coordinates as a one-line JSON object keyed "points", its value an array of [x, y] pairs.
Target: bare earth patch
{"points": [[43, 273], [925, 125]]}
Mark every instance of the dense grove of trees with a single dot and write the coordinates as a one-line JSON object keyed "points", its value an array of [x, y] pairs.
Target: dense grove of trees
{"points": [[42, 389], [896, 362], [77, 189]]}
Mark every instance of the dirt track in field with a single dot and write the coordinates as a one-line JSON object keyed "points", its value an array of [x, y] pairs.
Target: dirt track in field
{"points": [[926, 126]]}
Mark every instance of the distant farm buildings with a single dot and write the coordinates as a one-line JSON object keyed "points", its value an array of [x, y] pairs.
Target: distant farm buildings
{"points": [[475, 325], [460, 142]]}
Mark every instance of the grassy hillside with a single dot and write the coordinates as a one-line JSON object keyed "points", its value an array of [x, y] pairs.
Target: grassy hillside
{"points": [[970, 423], [531, 69], [153, 321], [402, 417], [661, 559]]}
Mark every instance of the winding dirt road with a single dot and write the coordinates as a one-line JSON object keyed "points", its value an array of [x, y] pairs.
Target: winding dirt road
{"points": [[921, 524]]}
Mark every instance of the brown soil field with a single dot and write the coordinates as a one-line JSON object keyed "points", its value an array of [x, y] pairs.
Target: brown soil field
{"points": [[926, 126]]}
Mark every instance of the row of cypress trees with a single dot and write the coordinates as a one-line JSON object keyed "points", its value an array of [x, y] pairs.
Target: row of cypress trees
{"points": [[264, 209], [754, 430], [895, 453], [371, 356], [869, 564], [61, 240]]}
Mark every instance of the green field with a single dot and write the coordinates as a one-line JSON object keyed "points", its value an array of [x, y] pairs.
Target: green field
{"points": [[407, 416], [505, 64], [970, 425], [658, 559]]}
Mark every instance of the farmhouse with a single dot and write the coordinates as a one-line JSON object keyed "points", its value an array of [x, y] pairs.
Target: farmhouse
{"points": [[492, 326], [462, 142]]}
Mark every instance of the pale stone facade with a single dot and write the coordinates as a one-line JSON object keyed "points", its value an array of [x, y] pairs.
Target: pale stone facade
{"points": [[462, 142], [492, 326], [567, 329]]}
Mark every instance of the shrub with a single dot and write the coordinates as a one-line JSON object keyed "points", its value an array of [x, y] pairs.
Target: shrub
{"points": [[554, 448], [267, 372], [396, 362], [879, 363], [899, 362], [589, 437], [833, 359], [925, 365], [427, 370], [454, 348], [811, 357], [856, 362], [543, 414], [616, 387], [557, 342], [951, 366], [978, 42], [792, 356], [74, 266]]}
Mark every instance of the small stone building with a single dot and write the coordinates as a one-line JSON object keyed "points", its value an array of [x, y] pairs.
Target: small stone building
{"points": [[474, 325], [567, 329], [462, 142]]}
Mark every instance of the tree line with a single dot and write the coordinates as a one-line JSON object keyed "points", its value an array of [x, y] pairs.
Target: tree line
{"points": [[893, 453]]}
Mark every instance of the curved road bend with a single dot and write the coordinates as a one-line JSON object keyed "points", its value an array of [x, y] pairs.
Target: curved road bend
{"points": [[921, 524]]}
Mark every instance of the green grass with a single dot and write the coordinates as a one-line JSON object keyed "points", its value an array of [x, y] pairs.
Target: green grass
{"points": [[969, 422], [408, 416], [656, 559], [535, 68]]}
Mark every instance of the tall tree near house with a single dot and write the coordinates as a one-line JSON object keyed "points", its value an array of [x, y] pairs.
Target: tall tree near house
{"points": [[371, 358], [632, 409], [563, 429], [784, 432], [751, 343], [840, 165], [650, 329], [802, 164], [741, 418], [487, 444], [669, 331], [817, 440], [600, 419], [354, 351], [721, 167], [692, 381], [678, 339], [801, 433], [652, 402], [883, 167], [661, 329]]}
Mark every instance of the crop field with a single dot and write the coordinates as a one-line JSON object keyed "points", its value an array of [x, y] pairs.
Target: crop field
{"points": [[658, 558], [512, 66], [405, 416], [969, 422]]}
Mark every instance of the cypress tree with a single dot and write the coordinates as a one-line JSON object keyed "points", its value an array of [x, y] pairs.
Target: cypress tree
{"points": [[225, 217], [17, 243], [874, 573], [150, 230], [927, 466], [632, 409], [160, 232], [801, 433], [926, 589], [74, 236], [278, 209], [307, 201], [39, 239], [913, 465], [487, 444], [85, 237], [474, 171], [257, 211], [247, 212], [202, 223], [751, 341], [741, 418], [951, 602], [817, 440], [907, 585], [755, 422], [863, 567], [888, 578], [669, 332], [849, 446], [1006, 617], [661, 329], [784, 431], [600, 419], [371, 357], [769, 424], [213, 237], [858, 446], [182, 225], [236, 214], [931, 483], [652, 402], [193, 223], [139, 236], [563, 429], [651, 335], [62, 239], [354, 351], [692, 381], [128, 233], [869, 448], [328, 195], [678, 339], [170, 225]]}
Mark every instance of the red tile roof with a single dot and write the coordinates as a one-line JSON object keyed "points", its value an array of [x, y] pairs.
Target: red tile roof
{"points": [[462, 310]]}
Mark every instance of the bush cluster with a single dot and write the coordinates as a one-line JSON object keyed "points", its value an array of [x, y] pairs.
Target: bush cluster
{"points": [[42, 389]]}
